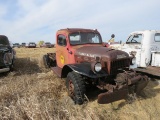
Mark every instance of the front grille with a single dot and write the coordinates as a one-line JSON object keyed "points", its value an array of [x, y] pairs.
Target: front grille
{"points": [[117, 64], [1, 55], [1, 58]]}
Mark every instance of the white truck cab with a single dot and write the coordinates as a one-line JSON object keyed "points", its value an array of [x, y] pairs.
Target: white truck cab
{"points": [[144, 46]]}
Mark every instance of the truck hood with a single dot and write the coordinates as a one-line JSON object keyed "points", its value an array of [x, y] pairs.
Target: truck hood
{"points": [[125, 46], [132, 46], [4, 48], [100, 51]]}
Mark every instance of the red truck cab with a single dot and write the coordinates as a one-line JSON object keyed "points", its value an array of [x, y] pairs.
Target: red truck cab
{"points": [[81, 58]]}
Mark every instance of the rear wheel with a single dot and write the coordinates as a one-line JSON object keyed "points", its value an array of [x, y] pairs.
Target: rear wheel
{"points": [[76, 87], [48, 62], [45, 60]]}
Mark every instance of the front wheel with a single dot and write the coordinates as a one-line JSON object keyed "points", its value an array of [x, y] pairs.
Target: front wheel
{"points": [[76, 87]]}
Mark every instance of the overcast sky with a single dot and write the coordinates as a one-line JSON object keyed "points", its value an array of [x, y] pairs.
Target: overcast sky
{"points": [[35, 20]]}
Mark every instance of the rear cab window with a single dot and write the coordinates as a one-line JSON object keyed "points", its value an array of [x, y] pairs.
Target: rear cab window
{"points": [[157, 37]]}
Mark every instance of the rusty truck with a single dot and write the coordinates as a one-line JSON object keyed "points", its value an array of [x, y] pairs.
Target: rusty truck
{"points": [[81, 58], [7, 55]]}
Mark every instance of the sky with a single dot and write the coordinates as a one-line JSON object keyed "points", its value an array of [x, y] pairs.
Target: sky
{"points": [[36, 20]]}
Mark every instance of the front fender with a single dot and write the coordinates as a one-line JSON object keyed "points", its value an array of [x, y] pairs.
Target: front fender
{"points": [[83, 69]]}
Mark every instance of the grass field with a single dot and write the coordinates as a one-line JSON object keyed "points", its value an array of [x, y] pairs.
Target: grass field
{"points": [[32, 92]]}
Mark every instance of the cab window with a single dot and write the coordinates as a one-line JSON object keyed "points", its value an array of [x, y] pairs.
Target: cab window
{"points": [[79, 38], [136, 38], [157, 37], [61, 41]]}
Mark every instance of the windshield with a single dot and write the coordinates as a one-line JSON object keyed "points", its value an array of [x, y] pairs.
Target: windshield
{"points": [[47, 43], [16, 43], [84, 38], [137, 38], [31, 43]]}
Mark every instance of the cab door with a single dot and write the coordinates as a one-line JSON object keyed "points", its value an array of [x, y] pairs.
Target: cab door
{"points": [[61, 50]]}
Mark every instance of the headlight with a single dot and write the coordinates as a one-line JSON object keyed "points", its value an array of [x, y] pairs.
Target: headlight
{"points": [[133, 61], [98, 67]]}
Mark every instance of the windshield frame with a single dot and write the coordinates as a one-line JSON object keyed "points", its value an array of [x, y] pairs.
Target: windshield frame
{"points": [[133, 36], [96, 33]]}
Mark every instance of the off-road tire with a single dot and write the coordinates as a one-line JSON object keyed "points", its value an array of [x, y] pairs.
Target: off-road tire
{"points": [[79, 87]]}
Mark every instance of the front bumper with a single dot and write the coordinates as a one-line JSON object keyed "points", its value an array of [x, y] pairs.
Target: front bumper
{"points": [[129, 83]]}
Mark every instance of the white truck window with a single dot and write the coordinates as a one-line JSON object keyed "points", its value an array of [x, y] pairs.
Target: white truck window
{"points": [[136, 38], [157, 37]]}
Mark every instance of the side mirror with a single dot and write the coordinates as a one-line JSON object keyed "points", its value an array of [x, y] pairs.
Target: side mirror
{"points": [[112, 36]]}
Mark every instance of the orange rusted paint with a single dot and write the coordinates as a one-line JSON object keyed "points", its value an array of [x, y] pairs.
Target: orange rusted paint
{"points": [[63, 51], [81, 56]]}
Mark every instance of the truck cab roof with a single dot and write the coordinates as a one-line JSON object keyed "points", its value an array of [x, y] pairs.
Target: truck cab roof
{"points": [[145, 31], [70, 30]]}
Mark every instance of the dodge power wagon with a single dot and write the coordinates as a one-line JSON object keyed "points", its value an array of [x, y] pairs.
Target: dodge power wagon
{"points": [[81, 58], [7, 55]]}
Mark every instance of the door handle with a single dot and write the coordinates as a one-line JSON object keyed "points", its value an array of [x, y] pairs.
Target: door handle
{"points": [[70, 52]]}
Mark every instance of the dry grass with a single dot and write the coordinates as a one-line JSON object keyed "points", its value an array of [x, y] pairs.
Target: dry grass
{"points": [[34, 93]]}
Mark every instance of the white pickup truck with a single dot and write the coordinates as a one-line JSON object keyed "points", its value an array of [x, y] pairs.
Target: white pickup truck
{"points": [[144, 46]]}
